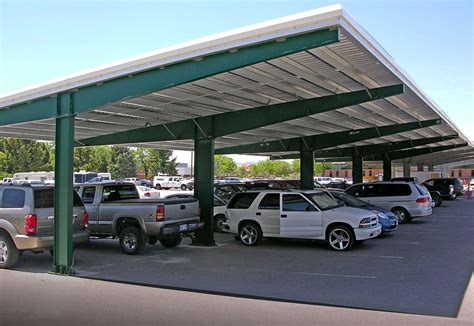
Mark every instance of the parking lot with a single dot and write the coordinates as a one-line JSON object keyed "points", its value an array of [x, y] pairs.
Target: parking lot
{"points": [[422, 268]]}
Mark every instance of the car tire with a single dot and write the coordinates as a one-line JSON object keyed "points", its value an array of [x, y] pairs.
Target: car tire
{"points": [[250, 233], [132, 240], [437, 199], [183, 187], [401, 214], [158, 186], [171, 242], [218, 222], [9, 254], [340, 238]]}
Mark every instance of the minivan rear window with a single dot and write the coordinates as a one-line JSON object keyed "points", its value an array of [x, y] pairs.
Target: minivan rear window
{"points": [[421, 190], [242, 200]]}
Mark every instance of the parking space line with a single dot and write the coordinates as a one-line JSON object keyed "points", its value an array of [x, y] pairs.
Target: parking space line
{"points": [[279, 271], [404, 242]]}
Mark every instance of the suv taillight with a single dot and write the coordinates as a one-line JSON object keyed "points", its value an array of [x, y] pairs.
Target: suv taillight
{"points": [[86, 219], [422, 200], [147, 194], [31, 224], [451, 189], [160, 213]]}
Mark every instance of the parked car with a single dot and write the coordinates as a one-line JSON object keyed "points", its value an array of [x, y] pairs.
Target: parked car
{"points": [[133, 180], [168, 182], [98, 179], [387, 219], [27, 221], [435, 196], [115, 209], [406, 200], [148, 193], [323, 180], [7, 181], [146, 183], [311, 214], [449, 188], [471, 184]]}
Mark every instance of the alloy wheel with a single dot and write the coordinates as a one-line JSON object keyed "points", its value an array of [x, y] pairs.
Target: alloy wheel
{"points": [[3, 252], [130, 241], [339, 239], [249, 235]]}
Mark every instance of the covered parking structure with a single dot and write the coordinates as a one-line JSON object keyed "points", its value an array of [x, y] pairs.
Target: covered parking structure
{"points": [[315, 76]]}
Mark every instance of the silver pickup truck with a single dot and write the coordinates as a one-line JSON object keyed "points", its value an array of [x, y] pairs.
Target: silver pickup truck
{"points": [[115, 210], [27, 221]]}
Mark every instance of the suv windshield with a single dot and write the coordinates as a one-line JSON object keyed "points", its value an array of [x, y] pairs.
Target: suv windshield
{"points": [[323, 200]]}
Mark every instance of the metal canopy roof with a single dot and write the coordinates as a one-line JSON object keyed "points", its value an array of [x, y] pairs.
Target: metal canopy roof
{"points": [[356, 62]]}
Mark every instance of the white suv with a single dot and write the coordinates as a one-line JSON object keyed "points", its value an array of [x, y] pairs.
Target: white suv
{"points": [[308, 214], [405, 199]]}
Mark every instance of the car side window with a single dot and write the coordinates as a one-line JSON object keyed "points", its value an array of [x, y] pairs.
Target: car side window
{"points": [[242, 200], [88, 195], [355, 191], [296, 203], [13, 198], [270, 201]]}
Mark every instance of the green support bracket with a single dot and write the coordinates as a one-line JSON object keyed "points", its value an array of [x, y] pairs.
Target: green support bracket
{"points": [[307, 170], [387, 169], [357, 168], [204, 189], [63, 189], [398, 155]]}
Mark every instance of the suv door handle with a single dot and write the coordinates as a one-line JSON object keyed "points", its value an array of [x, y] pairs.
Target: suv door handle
{"points": [[258, 213], [284, 216]]}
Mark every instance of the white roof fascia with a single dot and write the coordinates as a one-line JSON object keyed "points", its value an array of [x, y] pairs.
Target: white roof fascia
{"points": [[362, 36], [286, 26]]}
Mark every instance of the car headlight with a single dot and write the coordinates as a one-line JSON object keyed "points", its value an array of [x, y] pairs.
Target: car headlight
{"points": [[365, 220], [368, 222]]}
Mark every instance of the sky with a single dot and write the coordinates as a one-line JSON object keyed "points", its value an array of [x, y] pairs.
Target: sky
{"points": [[41, 40]]}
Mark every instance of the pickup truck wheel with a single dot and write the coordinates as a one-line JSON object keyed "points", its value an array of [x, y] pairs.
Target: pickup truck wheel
{"points": [[9, 254], [131, 240], [401, 214], [171, 242], [250, 234], [219, 221], [158, 186], [340, 238], [437, 199], [183, 187]]}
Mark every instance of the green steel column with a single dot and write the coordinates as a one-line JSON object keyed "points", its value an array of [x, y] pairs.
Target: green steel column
{"points": [[387, 169], [357, 167], [204, 189], [406, 169], [63, 190], [307, 170]]}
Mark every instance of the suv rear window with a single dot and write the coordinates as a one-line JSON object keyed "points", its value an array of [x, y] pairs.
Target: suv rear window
{"points": [[242, 200], [44, 198], [13, 198]]}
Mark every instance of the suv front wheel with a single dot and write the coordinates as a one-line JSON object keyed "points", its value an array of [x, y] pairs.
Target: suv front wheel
{"points": [[9, 254]]}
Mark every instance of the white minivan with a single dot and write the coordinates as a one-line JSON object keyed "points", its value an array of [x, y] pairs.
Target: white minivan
{"points": [[406, 200], [301, 214]]}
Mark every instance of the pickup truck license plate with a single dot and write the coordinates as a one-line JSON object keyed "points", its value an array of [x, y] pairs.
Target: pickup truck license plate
{"points": [[183, 227]]}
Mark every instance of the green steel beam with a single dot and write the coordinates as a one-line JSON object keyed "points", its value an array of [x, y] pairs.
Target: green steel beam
{"points": [[307, 170], [366, 150], [237, 121], [328, 140], [153, 80], [398, 155], [63, 189], [204, 189]]}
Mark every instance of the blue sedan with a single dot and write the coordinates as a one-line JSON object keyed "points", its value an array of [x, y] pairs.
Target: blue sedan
{"points": [[386, 218]]}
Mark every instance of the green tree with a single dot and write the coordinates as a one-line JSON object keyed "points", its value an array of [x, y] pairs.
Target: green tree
{"points": [[320, 168], [122, 163], [224, 166], [161, 161]]}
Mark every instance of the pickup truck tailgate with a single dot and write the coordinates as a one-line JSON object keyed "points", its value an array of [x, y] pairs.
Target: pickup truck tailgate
{"points": [[177, 209]]}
